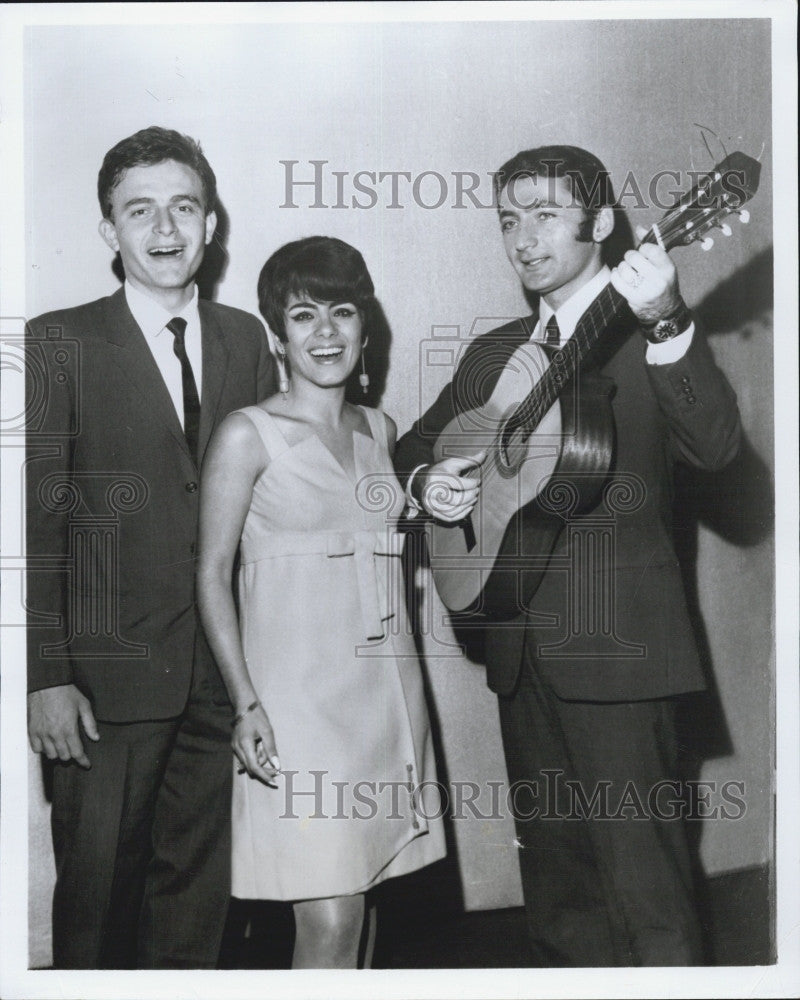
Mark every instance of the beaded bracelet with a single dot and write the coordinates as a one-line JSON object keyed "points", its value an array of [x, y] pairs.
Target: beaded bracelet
{"points": [[247, 711]]}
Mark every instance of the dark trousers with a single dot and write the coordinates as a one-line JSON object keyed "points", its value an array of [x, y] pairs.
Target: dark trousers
{"points": [[609, 884], [142, 841]]}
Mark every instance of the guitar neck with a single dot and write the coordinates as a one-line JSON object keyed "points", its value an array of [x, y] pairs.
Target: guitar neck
{"points": [[565, 362]]}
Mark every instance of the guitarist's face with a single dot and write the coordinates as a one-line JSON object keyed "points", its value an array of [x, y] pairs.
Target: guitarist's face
{"points": [[544, 231]]}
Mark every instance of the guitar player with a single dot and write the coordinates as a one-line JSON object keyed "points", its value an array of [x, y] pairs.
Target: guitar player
{"points": [[613, 891]]}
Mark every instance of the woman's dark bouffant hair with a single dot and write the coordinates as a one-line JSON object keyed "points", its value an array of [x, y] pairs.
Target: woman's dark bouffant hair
{"points": [[321, 267]]}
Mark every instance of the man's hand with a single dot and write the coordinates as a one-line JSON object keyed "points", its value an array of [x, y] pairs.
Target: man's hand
{"points": [[445, 492], [53, 715], [648, 280]]}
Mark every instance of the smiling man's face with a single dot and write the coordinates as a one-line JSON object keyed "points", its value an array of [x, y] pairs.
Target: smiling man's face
{"points": [[544, 234], [160, 227]]}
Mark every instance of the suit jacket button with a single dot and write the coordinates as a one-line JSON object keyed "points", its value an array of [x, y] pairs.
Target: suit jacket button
{"points": [[191, 487], [691, 399]]}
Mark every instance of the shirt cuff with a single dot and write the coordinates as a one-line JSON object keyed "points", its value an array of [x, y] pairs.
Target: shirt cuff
{"points": [[413, 506], [671, 350]]}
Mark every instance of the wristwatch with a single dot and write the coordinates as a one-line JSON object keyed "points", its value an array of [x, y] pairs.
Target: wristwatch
{"points": [[677, 322]]}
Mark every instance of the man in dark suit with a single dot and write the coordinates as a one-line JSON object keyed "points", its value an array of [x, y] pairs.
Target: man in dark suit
{"points": [[587, 705], [124, 394]]}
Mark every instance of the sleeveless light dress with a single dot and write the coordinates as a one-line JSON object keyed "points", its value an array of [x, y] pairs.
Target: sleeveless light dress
{"points": [[332, 658]]}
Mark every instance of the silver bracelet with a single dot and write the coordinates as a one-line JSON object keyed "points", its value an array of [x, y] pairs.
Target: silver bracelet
{"points": [[413, 506]]}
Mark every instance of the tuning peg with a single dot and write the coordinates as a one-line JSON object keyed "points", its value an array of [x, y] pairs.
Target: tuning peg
{"points": [[744, 216], [707, 243], [726, 229]]}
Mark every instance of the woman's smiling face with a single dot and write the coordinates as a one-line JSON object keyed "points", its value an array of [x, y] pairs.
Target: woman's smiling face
{"points": [[323, 339]]}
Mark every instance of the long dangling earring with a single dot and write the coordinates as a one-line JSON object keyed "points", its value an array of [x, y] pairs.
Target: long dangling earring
{"points": [[283, 378], [363, 378]]}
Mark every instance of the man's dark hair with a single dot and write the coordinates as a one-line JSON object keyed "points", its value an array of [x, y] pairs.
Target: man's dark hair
{"points": [[588, 180], [145, 149], [324, 269]]}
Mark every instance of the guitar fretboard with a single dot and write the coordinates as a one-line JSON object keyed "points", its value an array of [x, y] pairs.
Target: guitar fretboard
{"points": [[566, 362]]}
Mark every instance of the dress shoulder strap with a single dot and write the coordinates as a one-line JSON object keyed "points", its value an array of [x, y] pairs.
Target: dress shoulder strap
{"points": [[377, 425], [275, 443]]}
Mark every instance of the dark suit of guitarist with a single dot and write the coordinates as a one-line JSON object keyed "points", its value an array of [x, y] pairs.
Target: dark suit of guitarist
{"points": [[580, 702], [124, 692]]}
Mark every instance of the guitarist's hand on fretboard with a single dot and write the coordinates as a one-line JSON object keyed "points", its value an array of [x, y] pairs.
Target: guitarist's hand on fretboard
{"points": [[648, 280], [445, 491]]}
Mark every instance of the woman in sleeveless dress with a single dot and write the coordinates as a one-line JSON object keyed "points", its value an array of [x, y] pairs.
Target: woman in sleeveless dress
{"points": [[333, 791]]}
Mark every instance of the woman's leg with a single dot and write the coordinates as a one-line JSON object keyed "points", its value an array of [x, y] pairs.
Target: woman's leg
{"points": [[328, 932]]}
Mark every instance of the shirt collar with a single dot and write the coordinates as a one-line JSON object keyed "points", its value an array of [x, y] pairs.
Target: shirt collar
{"points": [[568, 314], [152, 317]]}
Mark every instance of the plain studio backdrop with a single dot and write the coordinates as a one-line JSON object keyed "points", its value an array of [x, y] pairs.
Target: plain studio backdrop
{"points": [[432, 104]]}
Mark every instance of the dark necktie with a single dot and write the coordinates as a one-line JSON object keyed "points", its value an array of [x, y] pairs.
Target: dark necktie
{"points": [[191, 401], [552, 334]]}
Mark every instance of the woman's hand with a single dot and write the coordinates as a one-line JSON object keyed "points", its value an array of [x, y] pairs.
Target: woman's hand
{"points": [[253, 743]]}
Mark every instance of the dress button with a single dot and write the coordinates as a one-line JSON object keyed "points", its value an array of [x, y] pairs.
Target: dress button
{"points": [[685, 380], [191, 487], [691, 399]]}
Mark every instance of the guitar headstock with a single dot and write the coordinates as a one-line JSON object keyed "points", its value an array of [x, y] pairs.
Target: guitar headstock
{"points": [[717, 194]]}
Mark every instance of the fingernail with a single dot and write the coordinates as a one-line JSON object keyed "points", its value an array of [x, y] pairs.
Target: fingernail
{"points": [[275, 763]]}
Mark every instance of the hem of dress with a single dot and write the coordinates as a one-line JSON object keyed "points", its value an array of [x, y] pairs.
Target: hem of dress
{"points": [[382, 875]]}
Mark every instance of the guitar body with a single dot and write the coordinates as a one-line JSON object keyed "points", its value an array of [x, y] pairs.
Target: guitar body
{"points": [[492, 562]]}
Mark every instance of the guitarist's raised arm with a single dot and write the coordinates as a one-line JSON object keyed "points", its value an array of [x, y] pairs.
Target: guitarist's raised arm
{"points": [[693, 393]]}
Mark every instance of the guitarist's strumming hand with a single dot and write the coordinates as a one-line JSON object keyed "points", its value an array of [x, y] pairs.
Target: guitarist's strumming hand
{"points": [[647, 278], [445, 491]]}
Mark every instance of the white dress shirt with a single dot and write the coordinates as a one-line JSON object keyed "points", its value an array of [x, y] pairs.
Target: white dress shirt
{"points": [[152, 319], [568, 314]]}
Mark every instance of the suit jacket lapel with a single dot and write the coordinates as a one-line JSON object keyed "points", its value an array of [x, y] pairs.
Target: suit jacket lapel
{"points": [[215, 372], [135, 359]]}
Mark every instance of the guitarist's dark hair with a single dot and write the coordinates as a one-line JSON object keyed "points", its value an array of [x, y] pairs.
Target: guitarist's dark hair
{"points": [[589, 183], [587, 179]]}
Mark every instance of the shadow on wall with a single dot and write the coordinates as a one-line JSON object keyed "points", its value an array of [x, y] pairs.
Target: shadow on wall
{"points": [[735, 503], [742, 299]]}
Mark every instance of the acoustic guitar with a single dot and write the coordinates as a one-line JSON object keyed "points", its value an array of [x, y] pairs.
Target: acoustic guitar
{"points": [[548, 426]]}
